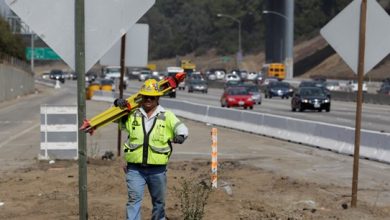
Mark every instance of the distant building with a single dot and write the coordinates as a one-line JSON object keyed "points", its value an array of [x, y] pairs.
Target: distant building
{"points": [[5, 11]]}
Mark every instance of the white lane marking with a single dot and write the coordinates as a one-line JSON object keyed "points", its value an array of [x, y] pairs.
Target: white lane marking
{"points": [[13, 137], [17, 122]]}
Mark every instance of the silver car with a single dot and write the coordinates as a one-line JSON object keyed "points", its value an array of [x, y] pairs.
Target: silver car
{"points": [[255, 92]]}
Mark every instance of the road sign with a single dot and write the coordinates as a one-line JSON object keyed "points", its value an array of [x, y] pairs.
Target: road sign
{"points": [[42, 53], [137, 42], [105, 23], [342, 33]]}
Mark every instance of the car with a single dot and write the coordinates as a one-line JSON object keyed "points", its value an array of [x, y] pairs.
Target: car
{"points": [[135, 71], [90, 76], [333, 85], [194, 76], [252, 76], [279, 89], [56, 74], [197, 85], [144, 75], [255, 92], [219, 73], [385, 90], [114, 73], [45, 76], [236, 96], [313, 98], [232, 77], [315, 83], [211, 76], [243, 74], [352, 86], [268, 80]]}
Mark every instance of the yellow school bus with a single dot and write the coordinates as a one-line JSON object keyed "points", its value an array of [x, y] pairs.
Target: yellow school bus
{"points": [[277, 70]]}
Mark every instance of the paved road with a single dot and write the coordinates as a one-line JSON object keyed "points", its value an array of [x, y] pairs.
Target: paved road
{"points": [[374, 117], [19, 147]]}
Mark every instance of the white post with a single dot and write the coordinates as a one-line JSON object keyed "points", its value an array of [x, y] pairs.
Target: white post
{"points": [[214, 157]]}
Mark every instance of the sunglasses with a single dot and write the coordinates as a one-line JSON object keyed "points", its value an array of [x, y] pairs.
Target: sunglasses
{"points": [[145, 97]]}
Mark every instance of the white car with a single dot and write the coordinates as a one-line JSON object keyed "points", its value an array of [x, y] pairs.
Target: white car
{"points": [[252, 76], [232, 77], [333, 85], [353, 86], [144, 75], [220, 74]]}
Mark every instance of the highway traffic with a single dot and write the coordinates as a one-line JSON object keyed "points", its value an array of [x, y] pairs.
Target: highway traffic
{"points": [[374, 117]]}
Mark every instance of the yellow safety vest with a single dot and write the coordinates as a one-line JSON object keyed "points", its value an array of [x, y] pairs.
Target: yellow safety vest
{"points": [[153, 148]]}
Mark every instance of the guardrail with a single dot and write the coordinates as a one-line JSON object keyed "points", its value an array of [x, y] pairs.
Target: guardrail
{"points": [[340, 139]]}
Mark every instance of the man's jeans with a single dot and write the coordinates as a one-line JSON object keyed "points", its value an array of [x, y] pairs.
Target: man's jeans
{"points": [[156, 180]]}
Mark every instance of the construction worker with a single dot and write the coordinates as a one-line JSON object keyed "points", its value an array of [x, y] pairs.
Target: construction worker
{"points": [[151, 130]]}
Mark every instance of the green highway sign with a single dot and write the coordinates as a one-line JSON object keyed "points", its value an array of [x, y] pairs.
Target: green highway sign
{"points": [[225, 59], [42, 53]]}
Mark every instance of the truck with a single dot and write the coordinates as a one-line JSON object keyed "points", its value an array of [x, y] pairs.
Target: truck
{"points": [[275, 70], [172, 70], [188, 67]]}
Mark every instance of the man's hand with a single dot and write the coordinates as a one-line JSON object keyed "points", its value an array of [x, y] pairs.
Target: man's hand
{"points": [[121, 103], [179, 139]]}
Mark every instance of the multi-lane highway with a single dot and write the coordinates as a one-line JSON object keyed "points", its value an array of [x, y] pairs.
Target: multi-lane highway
{"points": [[374, 117]]}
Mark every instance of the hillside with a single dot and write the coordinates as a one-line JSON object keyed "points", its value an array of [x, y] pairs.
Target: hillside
{"points": [[333, 67]]}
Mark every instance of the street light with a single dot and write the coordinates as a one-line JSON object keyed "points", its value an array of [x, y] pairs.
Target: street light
{"points": [[289, 35], [239, 53], [277, 13]]}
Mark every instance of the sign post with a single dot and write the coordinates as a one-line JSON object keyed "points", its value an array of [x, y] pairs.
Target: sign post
{"points": [[80, 70], [359, 98], [362, 44], [80, 36]]}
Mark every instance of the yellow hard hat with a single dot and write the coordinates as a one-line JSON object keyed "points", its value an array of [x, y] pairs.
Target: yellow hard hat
{"points": [[150, 88]]}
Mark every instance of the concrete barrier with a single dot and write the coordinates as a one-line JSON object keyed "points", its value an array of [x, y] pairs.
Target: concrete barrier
{"points": [[14, 82], [373, 145]]}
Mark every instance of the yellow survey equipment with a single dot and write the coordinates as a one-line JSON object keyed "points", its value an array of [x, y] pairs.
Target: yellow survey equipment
{"points": [[114, 113]]}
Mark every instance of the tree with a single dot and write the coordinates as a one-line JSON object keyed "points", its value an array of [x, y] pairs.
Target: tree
{"points": [[10, 44]]}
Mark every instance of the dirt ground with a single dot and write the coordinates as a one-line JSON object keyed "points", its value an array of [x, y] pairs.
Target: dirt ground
{"points": [[50, 191]]}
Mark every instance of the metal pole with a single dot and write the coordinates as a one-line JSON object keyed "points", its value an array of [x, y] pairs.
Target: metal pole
{"points": [[81, 111], [32, 52], [359, 98], [288, 36], [289, 45], [239, 48], [122, 62], [239, 44]]}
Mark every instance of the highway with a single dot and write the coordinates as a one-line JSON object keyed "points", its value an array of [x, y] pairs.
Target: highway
{"points": [[20, 142], [374, 117]]}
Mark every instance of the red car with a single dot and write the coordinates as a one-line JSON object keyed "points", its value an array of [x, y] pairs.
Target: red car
{"points": [[237, 96]]}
